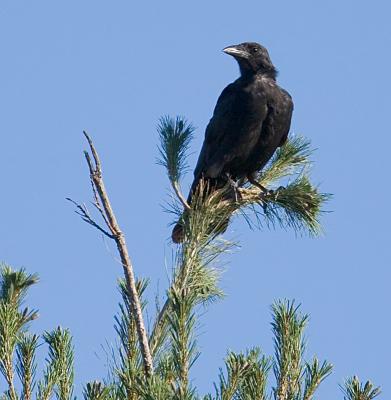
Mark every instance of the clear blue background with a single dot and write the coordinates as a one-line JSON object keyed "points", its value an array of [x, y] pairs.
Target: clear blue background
{"points": [[113, 68]]}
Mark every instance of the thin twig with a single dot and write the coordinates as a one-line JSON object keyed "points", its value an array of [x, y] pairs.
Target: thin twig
{"points": [[102, 203], [180, 196], [94, 153], [87, 218], [88, 158]]}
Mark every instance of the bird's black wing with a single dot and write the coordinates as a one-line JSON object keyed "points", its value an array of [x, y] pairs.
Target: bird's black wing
{"points": [[286, 116], [275, 129], [232, 132], [215, 130]]}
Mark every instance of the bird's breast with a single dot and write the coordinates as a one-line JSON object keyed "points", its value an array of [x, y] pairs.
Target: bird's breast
{"points": [[251, 103]]}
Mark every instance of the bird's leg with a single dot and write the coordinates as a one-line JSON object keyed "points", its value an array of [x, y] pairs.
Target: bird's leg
{"points": [[264, 190], [234, 186], [254, 182]]}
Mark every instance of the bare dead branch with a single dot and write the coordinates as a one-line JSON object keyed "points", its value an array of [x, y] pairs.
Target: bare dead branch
{"points": [[102, 203], [94, 153], [85, 216], [89, 162], [97, 204]]}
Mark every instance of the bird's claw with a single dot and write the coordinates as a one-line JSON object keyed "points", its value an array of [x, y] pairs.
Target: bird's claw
{"points": [[234, 185], [273, 191], [266, 192]]}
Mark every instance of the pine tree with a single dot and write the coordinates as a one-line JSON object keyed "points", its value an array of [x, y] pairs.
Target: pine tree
{"points": [[157, 364]]}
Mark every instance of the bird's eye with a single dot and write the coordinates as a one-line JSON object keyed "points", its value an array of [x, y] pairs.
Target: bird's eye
{"points": [[255, 50]]}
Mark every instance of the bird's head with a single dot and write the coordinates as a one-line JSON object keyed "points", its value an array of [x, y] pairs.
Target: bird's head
{"points": [[252, 58]]}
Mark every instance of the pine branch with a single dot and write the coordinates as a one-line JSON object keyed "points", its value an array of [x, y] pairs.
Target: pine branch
{"points": [[183, 344], [175, 137], [297, 205], [353, 389], [10, 325], [13, 288], [154, 388], [166, 368], [246, 377], [96, 391], [15, 284], [314, 376], [130, 365], [26, 365], [238, 367], [103, 204], [288, 160], [59, 370], [288, 328], [46, 385], [194, 282], [194, 262], [253, 386]]}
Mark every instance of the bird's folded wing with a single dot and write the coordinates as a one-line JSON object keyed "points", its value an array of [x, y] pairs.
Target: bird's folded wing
{"points": [[217, 132]]}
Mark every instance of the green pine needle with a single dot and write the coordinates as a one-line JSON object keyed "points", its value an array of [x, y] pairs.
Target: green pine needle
{"points": [[175, 136], [246, 376], [26, 364], [129, 367], [288, 327], [182, 321], [59, 372], [353, 389], [96, 391], [15, 284], [314, 376], [288, 160], [298, 206]]}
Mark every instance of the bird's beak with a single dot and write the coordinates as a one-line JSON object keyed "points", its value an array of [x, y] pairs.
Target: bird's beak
{"points": [[236, 51]]}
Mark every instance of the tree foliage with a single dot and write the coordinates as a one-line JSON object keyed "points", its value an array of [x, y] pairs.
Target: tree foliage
{"points": [[293, 202]]}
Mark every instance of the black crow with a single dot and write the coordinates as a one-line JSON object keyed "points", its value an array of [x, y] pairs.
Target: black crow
{"points": [[251, 120]]}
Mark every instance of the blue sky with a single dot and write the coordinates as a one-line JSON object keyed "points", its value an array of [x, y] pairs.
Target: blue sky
{"points": [[113, 68]]}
